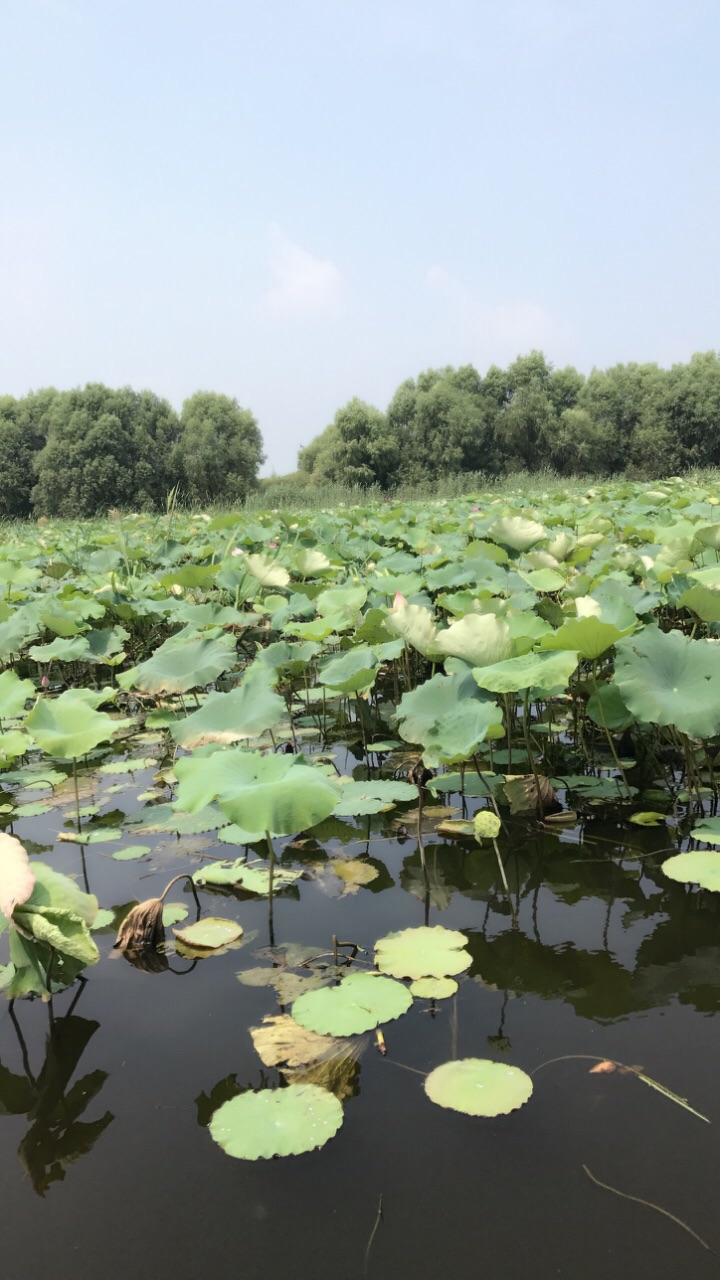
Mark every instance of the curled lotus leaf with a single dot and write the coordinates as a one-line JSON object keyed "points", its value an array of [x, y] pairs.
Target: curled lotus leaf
{"points": [[276, 1122], [478, 1087], [425, 952]]}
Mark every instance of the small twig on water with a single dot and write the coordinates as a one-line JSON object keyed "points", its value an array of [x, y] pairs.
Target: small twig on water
{"points": [[649, 1205], [373, 1233]]}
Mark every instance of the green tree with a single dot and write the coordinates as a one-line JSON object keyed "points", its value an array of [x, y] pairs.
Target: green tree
{"points": [[22, 436], [527, 421], [219, 452], [104, 448], [578, 445], [441, 424]]}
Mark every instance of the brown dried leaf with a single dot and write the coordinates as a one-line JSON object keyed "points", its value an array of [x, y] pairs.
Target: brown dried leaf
{"points": [[280, 1039], [607, 1065]]}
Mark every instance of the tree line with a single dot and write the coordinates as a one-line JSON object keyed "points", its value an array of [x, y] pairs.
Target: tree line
{"points": [[79, 453], [636, 419]]}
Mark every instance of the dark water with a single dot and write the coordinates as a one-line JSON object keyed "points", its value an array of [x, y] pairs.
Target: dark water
{"points": [[107, 1167]]}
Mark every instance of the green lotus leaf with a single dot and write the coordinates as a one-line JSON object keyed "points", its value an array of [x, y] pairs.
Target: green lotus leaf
{"points": [[704, 601], [177, 668], [267, 572], [478, 1087], [67, 726], [132, 852], [372, 796], [246, 712], [353, 672], [347, 600], [280, 793], [279, 1122], [72, 649], [517, 532], [457, 735], [433, 988], [590, 636], [252, 877], [173, 913], [52, 889], [61, 930], [210, 933], [479, 639], [701, 867], [361, 1002], [667, 679], [606, 707], [425, 952], [14, 693], [416, 625], [310, 562], [14, 743], [546, 672], [544, 580], [164, 817], [707, 830]]}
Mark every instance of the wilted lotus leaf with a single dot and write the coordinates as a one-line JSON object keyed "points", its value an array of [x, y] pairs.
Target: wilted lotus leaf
{"points": [[209, 934], [425, 952], [281, 1122], [354, 874], [528, 794], [478, 1087], [288, 986], [360, 1003], [701, 868], [280, 1039]]}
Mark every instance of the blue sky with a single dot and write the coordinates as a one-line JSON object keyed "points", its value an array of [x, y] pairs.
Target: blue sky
{"points": [[298, 201]]}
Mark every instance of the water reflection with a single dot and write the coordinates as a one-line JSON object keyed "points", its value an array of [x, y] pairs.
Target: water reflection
{"points": [[57, 1136]]}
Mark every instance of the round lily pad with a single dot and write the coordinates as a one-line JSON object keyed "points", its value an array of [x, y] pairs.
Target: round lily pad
{"points": [[423, 953], [433, 988], [210, 933], [478, 1087], [360, 1003], [281, 1122], [131, 853], [702, 868], [173, 913]]}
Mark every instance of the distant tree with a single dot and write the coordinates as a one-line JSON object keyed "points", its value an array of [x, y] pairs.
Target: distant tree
{"points": [[578, 445], [104, 448], [691, 409], [318, 459], [441, 424], [527, 421], [219, 451], [22, 436], [621, 400]]}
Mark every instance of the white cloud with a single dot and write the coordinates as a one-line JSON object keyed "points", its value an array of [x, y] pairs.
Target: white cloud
{"points": [[301, 283], [506, 328]]}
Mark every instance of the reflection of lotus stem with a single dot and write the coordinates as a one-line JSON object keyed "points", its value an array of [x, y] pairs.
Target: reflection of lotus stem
{"points": [[608, 735], [271, 875], [531, 754]]}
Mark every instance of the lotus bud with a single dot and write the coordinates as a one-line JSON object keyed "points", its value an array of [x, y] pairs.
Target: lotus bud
{"points": [[45, 682], [399, 602]]}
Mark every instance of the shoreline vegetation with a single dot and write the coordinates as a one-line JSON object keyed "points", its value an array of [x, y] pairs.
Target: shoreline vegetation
{"points": [[449, 432]]}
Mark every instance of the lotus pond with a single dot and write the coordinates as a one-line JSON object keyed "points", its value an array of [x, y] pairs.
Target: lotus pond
{"points": [[420, 804]]}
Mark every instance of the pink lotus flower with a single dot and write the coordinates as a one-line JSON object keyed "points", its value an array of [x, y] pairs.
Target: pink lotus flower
{"points": [[399, 602]]}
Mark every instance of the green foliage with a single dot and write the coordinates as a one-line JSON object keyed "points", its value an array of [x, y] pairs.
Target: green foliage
{"points": [[219, 451]]}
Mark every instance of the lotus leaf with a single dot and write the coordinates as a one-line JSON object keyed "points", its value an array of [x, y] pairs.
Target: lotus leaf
{"points": [[416, 625], [251, 877], [590, 636], [59, 929], [372, 796], [546, 672], [516, 532], [667, 679], [245, 712], [281, 1122], [177, 668], [281, 1039], [478, 1087], [280, 793], [433, 988], [68, 726], [14, 693], [132, 852], [479, 639], [701, 867], [353, 672], [210, 933], [707, 830], [361, 1001], [425, 952]]}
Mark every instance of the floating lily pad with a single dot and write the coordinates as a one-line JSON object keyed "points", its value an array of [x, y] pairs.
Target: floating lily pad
{"points": [[282, 1122], [701, 868], [478, 1087], [250, 877], [423, 953], [433, 988], [132, 852], [360, 1003], [210, 933], [173, 913]]}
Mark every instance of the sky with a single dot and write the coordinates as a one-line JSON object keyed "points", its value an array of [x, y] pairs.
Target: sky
{"points": [[294, 202]]}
